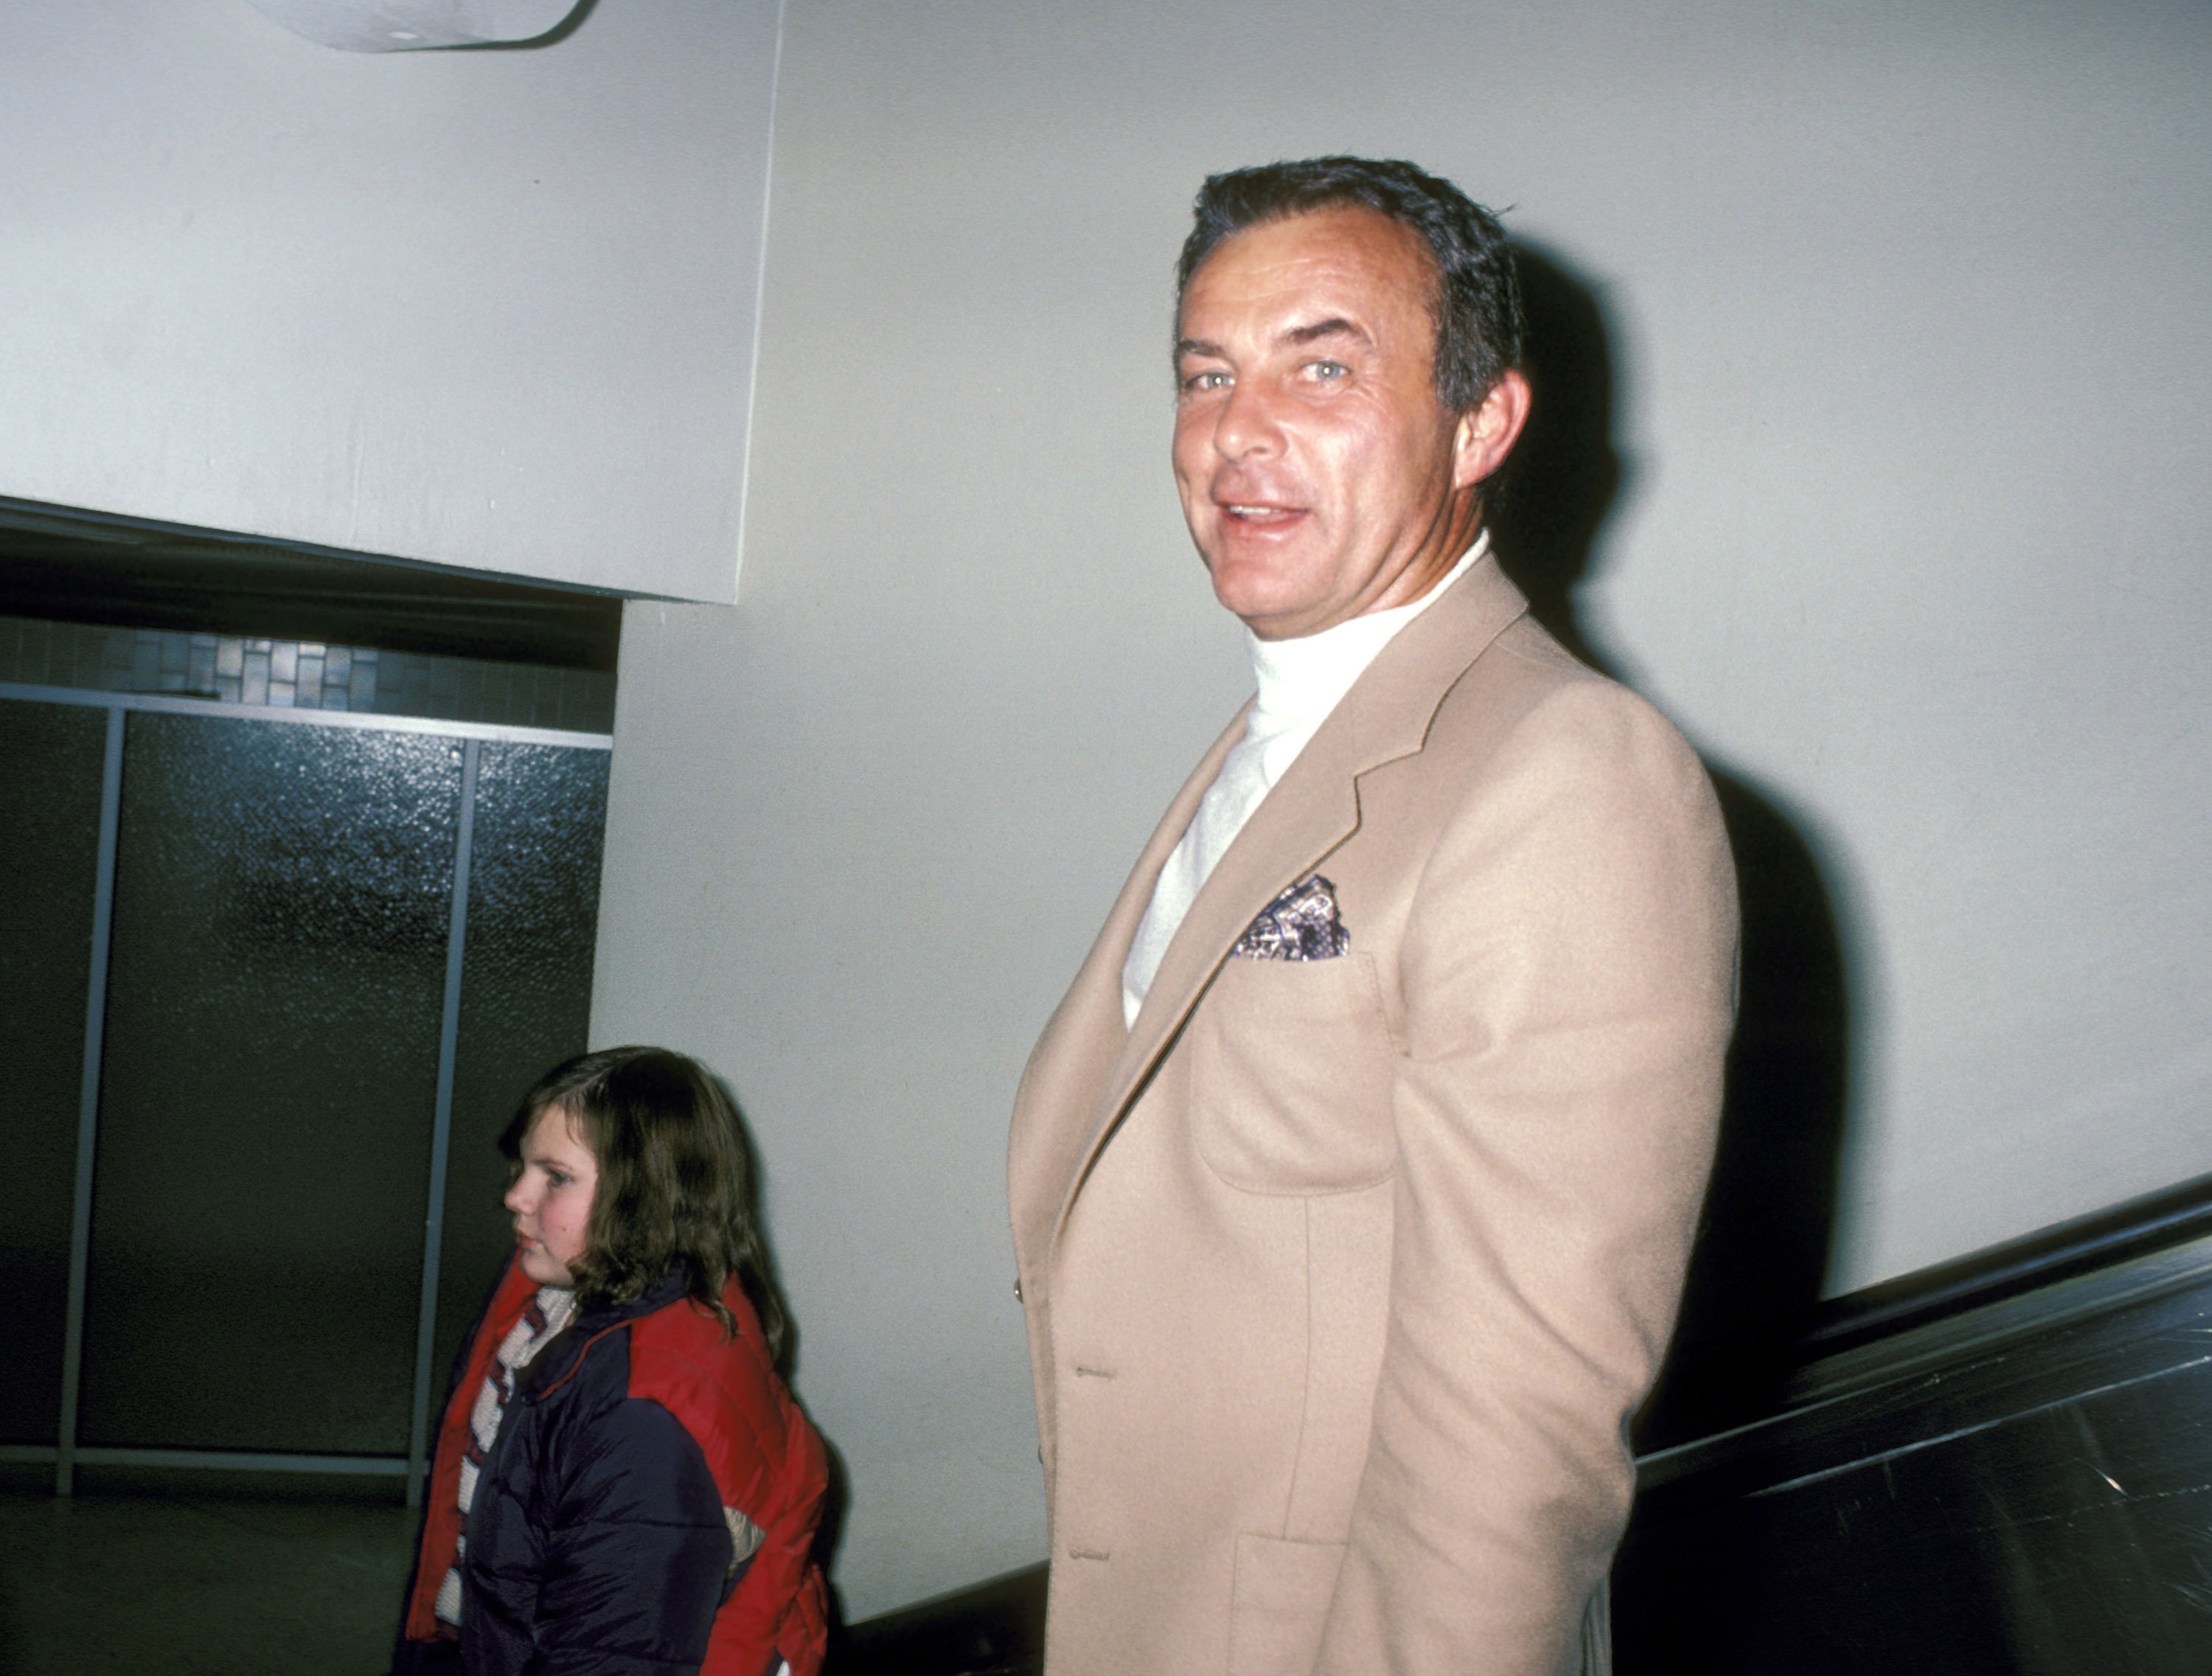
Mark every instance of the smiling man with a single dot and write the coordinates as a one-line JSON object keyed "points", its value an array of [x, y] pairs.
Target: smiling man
{"points": [[1353, 1181]]}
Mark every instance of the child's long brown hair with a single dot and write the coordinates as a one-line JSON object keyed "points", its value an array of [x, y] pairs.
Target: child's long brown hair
{"points": [[677, 1182]]}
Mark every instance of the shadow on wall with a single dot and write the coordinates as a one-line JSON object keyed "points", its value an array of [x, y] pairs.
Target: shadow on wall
{"points": [[837, 1503], [1763, 1249]]}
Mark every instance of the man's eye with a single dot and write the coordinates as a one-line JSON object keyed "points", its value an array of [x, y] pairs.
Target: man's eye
{"points": [[1325, 370], [1206, 380]]}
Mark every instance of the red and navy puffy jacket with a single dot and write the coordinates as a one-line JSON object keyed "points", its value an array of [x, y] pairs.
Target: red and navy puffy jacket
{"points": [[596, 1536]]}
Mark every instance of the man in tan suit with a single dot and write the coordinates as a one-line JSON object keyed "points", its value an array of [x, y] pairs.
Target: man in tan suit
{"points": [[1353, 1181]]}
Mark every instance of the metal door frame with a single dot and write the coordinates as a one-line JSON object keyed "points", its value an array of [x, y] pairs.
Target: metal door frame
{"points": [[65, 1452]]}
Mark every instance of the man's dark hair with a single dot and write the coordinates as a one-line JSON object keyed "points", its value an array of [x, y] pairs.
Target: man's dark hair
{"points": [[1477, 303], [677, 1183]]}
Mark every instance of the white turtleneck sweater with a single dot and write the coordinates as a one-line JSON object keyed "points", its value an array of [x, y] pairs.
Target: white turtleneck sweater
{"points": [[1301, 682]]}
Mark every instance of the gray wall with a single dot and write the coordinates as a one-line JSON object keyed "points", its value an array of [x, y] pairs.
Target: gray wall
{"points": [[1906, 313], [492, 309]]}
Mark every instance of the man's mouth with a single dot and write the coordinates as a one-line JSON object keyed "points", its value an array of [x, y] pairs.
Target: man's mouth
{"points": [[1257, 512]]}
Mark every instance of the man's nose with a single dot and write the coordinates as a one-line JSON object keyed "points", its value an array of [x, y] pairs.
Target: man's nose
{"points": [[1246, 426]]}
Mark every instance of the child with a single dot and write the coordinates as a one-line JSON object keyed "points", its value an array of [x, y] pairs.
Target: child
{"points": [[621, 1484]]}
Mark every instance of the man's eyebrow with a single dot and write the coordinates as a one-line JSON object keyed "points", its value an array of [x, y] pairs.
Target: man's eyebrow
{"points": [[1335, 327]]}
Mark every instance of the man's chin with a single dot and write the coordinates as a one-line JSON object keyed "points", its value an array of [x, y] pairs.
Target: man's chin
{"points": [[1258, 593], [1273, 614]]}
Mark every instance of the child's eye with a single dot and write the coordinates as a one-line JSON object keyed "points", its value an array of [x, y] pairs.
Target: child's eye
{"points": [[554, 1178]]}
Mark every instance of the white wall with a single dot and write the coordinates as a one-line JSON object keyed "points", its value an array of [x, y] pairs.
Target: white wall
{"points": [[489, 308], [1909, 307]]}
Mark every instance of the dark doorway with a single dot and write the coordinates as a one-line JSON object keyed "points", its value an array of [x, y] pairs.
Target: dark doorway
{"points": [[304, 856]]}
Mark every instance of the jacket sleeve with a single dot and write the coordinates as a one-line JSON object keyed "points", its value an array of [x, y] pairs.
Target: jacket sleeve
{"points": [[637, 1552], [1568, 977]]}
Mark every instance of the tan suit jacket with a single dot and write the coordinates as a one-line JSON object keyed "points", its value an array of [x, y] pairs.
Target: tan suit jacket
{"points": [[1343, 1276]]}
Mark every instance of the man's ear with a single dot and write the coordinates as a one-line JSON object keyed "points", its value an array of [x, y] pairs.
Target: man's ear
{"points": [[1487, 431]]}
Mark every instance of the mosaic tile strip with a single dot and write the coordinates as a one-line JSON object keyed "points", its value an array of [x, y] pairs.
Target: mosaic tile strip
{"points": [[306, 675]]}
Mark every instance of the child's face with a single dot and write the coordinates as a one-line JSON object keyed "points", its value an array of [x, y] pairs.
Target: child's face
{"points": [[551, 1198]]}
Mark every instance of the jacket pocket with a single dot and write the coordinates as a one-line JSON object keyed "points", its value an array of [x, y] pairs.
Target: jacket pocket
{"points": [[1277, 1604], [1290, 1067]]}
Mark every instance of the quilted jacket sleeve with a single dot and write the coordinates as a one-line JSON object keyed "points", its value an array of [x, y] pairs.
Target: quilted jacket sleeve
{"points": [[637, 1554]]}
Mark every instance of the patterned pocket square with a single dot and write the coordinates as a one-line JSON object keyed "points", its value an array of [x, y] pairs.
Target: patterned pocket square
{"points": [[1301, 924]]}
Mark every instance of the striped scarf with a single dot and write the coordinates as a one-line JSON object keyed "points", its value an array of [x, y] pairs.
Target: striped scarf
{"points": [[548, 1312]]}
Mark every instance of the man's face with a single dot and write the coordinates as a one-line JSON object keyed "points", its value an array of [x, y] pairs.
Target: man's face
{"points": [[1320, 476]]}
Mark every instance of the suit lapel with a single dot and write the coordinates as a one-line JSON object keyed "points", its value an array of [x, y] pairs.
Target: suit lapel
{"points": [[1111, 952], [1313, 809], [1086, 1035]]}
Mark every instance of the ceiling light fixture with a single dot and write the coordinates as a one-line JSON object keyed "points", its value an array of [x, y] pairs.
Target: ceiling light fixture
{"points": [[416, 25]]}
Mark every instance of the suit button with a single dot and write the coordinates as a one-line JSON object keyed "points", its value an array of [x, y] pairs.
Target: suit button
{"points": [[1018, 1289]]}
